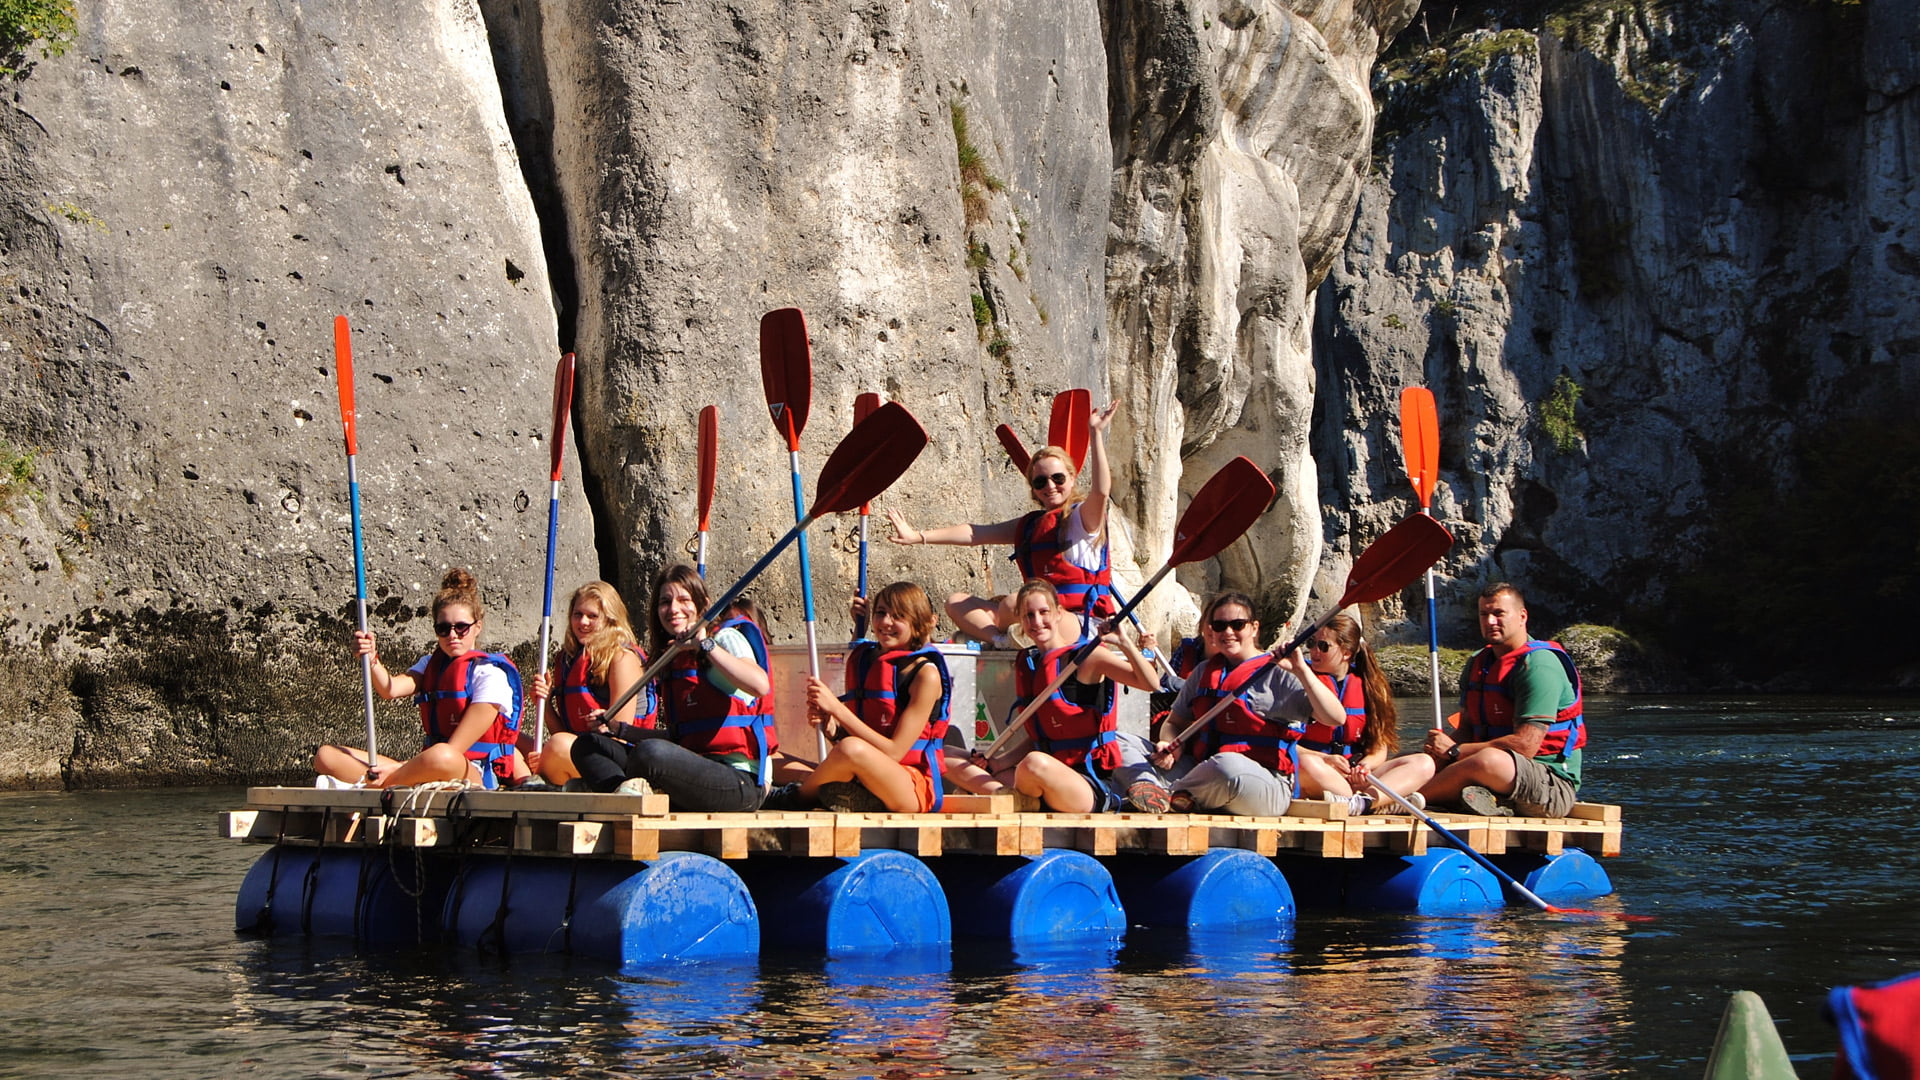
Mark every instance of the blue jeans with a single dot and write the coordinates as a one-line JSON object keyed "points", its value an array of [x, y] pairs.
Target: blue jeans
{"points": [[691, 781]]}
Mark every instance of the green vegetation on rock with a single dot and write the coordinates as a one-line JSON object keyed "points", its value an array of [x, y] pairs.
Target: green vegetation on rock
{"points": [[16, 477], [1556, 415], [975, 179], [45, 26]]}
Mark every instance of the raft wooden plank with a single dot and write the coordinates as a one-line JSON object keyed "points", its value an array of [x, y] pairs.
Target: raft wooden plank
{"points": [[1321, 835], [246, 824], [422, 802], [1387, 833], [1006, 802], [1594, 812], [923, 835]]}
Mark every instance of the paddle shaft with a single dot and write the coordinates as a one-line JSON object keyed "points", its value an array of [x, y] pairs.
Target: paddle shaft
{"points": [[714, 611], [360, 603], [1524, 892], [860, 622], [1007, 734], [546, 612], [801, 518]]}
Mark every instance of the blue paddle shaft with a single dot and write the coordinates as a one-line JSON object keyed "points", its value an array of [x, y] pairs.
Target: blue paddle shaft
{"points": [[1525, 893], [546, 611], [360, 601], [860, 624]]}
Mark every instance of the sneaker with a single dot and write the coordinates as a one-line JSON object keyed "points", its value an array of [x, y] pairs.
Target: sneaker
{"points": [[636, 786], [1180, 802], [1359, 804], [334, 783], [578, 786], [784, 797], [534, 783], [1480, 800], [1003, 640], [1387, 804], [1149, 797], [848, 797]]}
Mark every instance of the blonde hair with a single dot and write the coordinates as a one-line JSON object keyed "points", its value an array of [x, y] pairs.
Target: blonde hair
{"points": [[458, 587], [908, 602], [606, 642], [1066, 466]]}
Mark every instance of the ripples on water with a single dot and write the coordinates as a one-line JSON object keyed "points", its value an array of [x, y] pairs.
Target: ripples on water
{"points": [[1772, 840]]}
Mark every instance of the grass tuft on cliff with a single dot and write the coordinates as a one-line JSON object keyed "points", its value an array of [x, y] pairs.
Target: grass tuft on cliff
{"points": [[27, 26]]}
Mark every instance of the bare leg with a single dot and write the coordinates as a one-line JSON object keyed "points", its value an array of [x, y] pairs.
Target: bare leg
{"points": [[1319, 776], [1059, 785], [1491, 768], [556, 759], [857, 759], [956, 765], [980, 617], [348, 763], [1406, 774]]}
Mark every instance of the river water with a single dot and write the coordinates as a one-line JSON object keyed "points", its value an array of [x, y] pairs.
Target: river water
{"points": [[1771, 841]]}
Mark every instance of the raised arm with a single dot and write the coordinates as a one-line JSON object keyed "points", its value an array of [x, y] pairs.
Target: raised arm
{"points": [[1093, 510], [386, 684]]}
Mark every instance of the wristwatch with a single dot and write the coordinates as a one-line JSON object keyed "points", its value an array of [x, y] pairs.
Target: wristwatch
{"points": [[1453, 753], [707, 644]]}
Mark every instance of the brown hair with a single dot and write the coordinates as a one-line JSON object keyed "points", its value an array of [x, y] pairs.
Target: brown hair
{"points": [[1499, 587], [458, 587], [1036, 585], [909, 602], [1066, 466], [1383, 719], [687, 578], [607, 641]]}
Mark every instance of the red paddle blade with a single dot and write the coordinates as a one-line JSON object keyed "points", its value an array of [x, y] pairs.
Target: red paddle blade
{"points": [[1011, 441], [786, 370], [562, 408], [343, 367], [1224, 507], [863, 407], [1420, 440], [1068, 427], [867, 462], [709, 460], [1396, 560]]}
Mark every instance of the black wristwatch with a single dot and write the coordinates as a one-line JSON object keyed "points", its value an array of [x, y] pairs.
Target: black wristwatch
{"points": [[707, 644], [1453, 753]]}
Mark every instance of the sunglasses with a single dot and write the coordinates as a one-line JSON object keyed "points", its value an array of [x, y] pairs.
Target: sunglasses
{"points": [[1058, 479], [1321, 646], [457, 629], [1221, 626]]}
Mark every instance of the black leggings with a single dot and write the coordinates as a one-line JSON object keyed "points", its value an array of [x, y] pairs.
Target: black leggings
{"points": [[691, 781]]}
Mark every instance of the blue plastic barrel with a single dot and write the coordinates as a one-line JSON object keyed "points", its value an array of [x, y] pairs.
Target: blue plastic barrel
{"points": [[1566, 878], [1226, 887], [1054, 895], [681, 906], [1441, 882], [375, 895], [877, 901]]}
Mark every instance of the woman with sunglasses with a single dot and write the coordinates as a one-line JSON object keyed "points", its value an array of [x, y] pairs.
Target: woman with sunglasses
{"points": [[713, 750], [1246, 761], [1337, 759], [597, 662], [1078, 763], [1063, 541], [469, 704]]}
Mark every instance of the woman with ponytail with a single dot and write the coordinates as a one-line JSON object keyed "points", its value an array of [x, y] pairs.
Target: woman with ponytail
{"points": [[469, 703], [1336, 760]]}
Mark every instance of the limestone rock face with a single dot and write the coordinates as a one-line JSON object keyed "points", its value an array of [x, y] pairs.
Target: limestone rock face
{"points": [[1240, 134], [1667, 215], [192, 193]]}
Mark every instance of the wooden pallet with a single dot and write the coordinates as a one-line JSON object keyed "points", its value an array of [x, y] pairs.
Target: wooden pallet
{"points": [[631, 827]]}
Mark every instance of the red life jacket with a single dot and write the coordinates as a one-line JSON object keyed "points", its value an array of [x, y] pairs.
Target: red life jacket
{"points": [[872, 679], [444, 694], [1186, 656], [1040, 551], [579, 696], [1352, 692], [1486, 706], [1073, 733], [713, 723], [1238, 729]]}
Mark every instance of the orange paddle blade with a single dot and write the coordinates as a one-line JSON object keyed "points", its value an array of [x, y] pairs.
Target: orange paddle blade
{"points": [[562, 408], [867, 462], [709, 460], [343, 368], [1068, 428], [1396, 560], [1011, 442], [786, 371], [1420, 440], [1225, 507], [863, 407]]}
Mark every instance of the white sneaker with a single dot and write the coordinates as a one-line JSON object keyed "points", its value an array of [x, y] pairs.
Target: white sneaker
{"points": [[636, 786], [1359, 804], [1390, 805], [334, 783]]}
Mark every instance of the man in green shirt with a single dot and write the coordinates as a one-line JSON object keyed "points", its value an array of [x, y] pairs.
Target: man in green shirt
{"points": [[1516, 743]]}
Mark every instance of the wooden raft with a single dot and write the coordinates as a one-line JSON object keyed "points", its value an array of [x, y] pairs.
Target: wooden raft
{"points": [[635, 827]]}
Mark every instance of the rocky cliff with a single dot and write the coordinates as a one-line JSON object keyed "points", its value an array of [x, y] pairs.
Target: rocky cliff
{"points": [[976, 205], [1656, 263]]}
